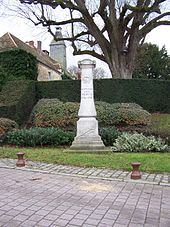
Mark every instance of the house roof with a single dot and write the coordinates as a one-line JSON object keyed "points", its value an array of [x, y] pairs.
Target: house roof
{"points": [[9, 41]]}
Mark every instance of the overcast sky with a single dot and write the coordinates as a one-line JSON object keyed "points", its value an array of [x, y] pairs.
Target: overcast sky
{"points": [[26, 31]]}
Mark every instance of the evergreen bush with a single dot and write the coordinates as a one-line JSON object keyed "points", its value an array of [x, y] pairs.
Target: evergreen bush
{"points": [[54, 113], [108, 135], [6, 125], [52, 137], [39, 137]]}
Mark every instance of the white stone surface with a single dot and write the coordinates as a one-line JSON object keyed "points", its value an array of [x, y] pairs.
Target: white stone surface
{"points": [[87, 137], [87, 107]]}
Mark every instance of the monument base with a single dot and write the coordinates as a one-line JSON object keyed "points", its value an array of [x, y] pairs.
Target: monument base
{"points": [[105, 151], [86, 143], [87, 138]]}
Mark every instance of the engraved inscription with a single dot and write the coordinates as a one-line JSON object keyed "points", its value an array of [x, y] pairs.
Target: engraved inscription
{"points": [[87, 93]]}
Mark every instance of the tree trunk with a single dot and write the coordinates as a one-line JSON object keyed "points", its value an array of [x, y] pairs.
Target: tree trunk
{"points": [[122, 70]]}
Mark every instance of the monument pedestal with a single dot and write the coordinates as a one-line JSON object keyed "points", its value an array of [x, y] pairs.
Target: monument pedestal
{"points": [[87, 137]]}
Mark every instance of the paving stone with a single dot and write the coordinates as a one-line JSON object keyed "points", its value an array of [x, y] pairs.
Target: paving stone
{"points": [[92, 221], [60, 222], [81, 216], [111, 216], [45, 223], [20, 217], [76, 222], [5, 218], [66, 217], [122, 220], [86, 211], [107, 221], [87, 225], [96, 216], [34, 208], [28, 223], [13, 223], [57, 200], [42, 212], [35, 217], [119, 225], [13, 212], [135, 225], [6, 208]]}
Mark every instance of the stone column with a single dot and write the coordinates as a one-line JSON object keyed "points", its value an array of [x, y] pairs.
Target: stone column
{"points": [[87, 137]]}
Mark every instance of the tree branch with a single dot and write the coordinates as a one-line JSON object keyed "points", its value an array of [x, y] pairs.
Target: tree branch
{"points": [[154, 23]]}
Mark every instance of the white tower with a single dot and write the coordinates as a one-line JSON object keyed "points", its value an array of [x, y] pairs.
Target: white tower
{"points": [[58, 49]]}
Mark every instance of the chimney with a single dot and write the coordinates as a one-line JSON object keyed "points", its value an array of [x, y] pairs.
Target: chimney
{"points": [[39, 44], [46, 52], [58, 32], [30, 43]]}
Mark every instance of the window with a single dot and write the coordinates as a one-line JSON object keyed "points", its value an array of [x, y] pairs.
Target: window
{"points": [[49, 76]]}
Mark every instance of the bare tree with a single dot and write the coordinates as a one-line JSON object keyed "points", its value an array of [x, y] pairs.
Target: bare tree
{"points": [[98, 73], [2, 8], [74, 71], [110, 30]]}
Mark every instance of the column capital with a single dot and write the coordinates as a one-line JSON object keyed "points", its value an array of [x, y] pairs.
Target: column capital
{"points": [[87, 63]]}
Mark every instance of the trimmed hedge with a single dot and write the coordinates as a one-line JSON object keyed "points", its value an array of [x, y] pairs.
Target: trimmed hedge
{"points": [[17, 99], [152, 95], [64, 90], [54, 113]]}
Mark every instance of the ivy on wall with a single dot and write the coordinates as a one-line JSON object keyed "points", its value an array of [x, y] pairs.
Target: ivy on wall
{"points": [[17, 64]]}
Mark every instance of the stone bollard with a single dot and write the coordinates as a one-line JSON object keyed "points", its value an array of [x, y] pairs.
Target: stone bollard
{"points": [[21, 160], [136, 174]]}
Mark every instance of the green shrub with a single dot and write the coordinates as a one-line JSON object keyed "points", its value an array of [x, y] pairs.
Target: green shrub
{"points": [[39, 137], [6, 125], [52, 136], [52, 112], [108, 135], [148, 131], [121, 114], [137, 142]]}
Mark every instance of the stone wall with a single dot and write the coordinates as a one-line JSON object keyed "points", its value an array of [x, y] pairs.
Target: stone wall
{"points": [[47, 74]]}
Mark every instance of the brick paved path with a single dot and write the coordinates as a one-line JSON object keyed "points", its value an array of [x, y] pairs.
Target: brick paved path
{"points": [[95, 173], [35, 199]]}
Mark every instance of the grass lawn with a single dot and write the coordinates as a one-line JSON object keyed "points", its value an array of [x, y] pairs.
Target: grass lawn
{"points": [[160, 121], [150, 162]]}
